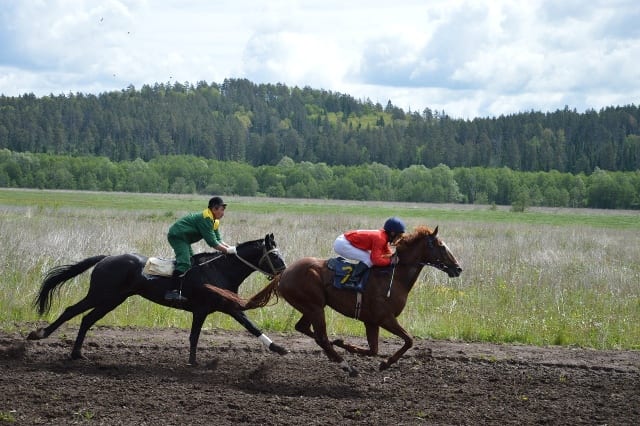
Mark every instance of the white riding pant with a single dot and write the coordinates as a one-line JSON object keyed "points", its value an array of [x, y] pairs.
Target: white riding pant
{"points": [[343, 247]]}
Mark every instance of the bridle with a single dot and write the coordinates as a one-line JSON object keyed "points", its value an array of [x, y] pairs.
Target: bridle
{"points": [[439, 264], [265, 255]]}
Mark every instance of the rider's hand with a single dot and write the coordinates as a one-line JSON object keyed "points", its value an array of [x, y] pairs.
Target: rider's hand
{"points": [[231, 249]]}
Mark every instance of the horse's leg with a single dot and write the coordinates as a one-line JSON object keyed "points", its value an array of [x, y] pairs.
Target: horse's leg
{"points": [[242, 318], [394, 327], [194, 336], [304, 326], [88, 320], [373, 332], [83, 305], [319, 325]]}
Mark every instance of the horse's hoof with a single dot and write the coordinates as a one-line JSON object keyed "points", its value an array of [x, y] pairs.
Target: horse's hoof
{"points": [[78, 356], [278, 349], [384, 365], [36, 334], [353, 372]]}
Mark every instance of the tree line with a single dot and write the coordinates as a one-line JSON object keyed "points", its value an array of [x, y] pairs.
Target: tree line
{"points": [[259, 124], [287, 178]]}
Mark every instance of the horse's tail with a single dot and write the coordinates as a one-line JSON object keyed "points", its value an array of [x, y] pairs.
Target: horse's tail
{"points": [[58, 276], [260, 299], [228, 295]]}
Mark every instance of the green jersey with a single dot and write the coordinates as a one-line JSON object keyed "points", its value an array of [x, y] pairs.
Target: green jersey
{"points": [[197, 226]]}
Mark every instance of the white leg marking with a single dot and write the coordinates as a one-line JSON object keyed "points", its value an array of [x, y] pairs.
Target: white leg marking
{"points": [[265, 340]]}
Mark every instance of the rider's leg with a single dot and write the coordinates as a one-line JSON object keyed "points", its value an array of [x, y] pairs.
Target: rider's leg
{"points": [[175, 294], [182, 250], [343, 247], [358, 271]]}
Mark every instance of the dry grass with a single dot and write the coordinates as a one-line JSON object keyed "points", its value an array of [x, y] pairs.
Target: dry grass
{"points": [[521, 283]]}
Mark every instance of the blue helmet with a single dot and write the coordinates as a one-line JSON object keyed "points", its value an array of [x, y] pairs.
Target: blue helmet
{"points": [[393, 224]]}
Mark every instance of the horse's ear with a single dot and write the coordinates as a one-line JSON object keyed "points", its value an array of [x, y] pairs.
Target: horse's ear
{"points": [[435, 231]]}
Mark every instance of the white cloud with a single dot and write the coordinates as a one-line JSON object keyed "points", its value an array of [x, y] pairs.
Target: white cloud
{"points": [[469, 58]]}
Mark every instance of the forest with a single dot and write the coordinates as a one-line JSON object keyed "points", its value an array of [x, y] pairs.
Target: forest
{"points": [[250, 139], [288, 179]]}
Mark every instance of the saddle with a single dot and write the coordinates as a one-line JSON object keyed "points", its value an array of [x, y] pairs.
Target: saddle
{"points": [[159, 267], [343, 269]]}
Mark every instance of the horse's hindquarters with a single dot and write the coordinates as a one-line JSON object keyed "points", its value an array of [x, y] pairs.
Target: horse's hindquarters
{"points": [[302, 283]]}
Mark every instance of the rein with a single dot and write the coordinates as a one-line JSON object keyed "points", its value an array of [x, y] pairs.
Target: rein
{"points": [[257, 268], [435, 265], [393, 271]]}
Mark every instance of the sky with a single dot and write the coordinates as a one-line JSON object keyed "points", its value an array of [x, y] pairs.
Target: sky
{"points": [[482, 58]]}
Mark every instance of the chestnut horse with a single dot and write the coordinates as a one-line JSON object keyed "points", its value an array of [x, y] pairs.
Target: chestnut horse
{"points": [[307, 285]]}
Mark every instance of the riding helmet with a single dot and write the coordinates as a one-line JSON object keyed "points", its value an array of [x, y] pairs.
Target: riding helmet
{"points": [[393, 224]]}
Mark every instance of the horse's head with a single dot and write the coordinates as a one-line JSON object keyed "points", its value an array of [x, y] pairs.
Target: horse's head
{"points": [[424, 247], [262, 255]]}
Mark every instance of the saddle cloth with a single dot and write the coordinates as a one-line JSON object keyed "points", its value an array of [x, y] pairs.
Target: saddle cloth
{"points": [[159, 266], [342, 269]]}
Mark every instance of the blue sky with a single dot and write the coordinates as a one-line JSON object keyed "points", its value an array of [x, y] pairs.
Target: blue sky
{"points": [[468, 58]]}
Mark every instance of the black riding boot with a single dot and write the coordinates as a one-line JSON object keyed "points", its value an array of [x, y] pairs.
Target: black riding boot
{"points": [[358, 271], [175, 295]]}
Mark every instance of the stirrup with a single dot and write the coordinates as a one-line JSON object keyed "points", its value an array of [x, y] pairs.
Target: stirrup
{"points": [[174, 296]]}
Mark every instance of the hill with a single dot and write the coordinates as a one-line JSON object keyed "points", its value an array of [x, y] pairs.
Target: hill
{"points": [[259, 124]]}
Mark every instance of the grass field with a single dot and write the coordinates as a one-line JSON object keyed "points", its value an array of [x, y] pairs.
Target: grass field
{"points": [[545, 276]]}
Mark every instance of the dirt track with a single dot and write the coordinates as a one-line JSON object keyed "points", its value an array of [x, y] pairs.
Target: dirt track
{"points": [[137, 377]]}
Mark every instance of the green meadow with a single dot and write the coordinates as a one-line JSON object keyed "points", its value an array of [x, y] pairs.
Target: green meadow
{"points": [[539, 277]]}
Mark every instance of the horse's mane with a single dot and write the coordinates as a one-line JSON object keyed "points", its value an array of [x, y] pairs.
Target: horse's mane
{"points": [[259, 240], [420, 232], [212, 255]]}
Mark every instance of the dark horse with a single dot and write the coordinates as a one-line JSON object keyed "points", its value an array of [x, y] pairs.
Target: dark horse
{"points": [[210, 286], [307, 285]]}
